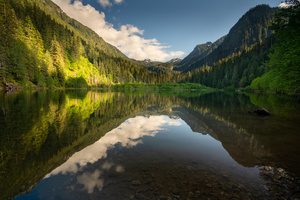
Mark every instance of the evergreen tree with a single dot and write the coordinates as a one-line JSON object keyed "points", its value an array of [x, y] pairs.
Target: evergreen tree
{"points": [[58, 62], [285, 60]]}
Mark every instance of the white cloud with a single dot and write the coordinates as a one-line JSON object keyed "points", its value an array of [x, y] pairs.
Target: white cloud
{"points": [[118, 1], [287, 4], [128, 38], [105, 3]]}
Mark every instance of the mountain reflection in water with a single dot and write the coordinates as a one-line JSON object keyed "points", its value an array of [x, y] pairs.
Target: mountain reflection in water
{"points": [[92, 145], [150, 154]]}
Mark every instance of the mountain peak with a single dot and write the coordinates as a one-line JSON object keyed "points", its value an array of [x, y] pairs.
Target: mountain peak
{"points": [[288, 4], [175, 61], [251, 28], [199, 52]]}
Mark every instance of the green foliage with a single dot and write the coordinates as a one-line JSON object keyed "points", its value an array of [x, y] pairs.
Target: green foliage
{"points": [[200, 52], [240, 58], [79, 82], [166, 68], [236, 71], [252, 28], [41, 80], [16, 60], [50, 82], [284, 63], [39, 45], [280, 105]]}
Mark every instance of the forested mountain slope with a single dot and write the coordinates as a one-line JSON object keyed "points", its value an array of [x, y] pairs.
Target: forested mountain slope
{"points": [[199, 52], [272, 65], [85, 32], [41, 46], [234, 71], [253, 27], [284, 64]]}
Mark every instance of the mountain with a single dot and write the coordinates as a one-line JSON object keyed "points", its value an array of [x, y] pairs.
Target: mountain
{"points": [[163, 68], [287, 4], [40, 46], [283, 66], [175, 61], [236, 71], [53, 10], [271, 65], [251, 28], [200, 51]]}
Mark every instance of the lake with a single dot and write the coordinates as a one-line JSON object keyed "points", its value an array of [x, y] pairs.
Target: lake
{"points": [[80, 144]]}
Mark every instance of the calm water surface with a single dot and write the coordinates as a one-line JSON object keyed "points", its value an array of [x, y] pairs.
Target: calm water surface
{"points": [[187, 145]]}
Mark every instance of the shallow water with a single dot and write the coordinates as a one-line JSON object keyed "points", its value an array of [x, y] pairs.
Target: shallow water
{"points": [[93, 145]]}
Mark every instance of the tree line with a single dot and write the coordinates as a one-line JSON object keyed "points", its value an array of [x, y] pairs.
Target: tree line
{"points": [[38, 48], [41, 46]]}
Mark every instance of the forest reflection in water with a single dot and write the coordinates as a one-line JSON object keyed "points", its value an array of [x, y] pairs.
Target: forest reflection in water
{"points": [[88, 145]]}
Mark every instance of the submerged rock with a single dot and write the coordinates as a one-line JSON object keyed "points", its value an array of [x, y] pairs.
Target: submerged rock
{"points": [[262, 112], [136, 183]]}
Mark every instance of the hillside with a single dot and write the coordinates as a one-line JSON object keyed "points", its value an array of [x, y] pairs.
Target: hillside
{"points": [[234, 71], [175, 61], [270, 66], [199, 52], [251, 28], [86, 33], [284, 64], [166, 68], [41, 46]]}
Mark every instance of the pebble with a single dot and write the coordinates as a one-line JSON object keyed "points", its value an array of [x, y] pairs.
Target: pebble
{"points": [[136, 183]]}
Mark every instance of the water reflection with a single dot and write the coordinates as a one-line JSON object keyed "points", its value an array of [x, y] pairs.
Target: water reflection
{"points": [[128, 134], [151, 152], [190, 145]]}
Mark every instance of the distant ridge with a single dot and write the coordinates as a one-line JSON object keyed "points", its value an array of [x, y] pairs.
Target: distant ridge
{"points": [[175, 61], [199, 52]]}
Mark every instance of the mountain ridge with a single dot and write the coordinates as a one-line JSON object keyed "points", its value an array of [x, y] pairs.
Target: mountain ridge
{"points": [[40, 46], [199, 52], [251, 28], [85, 31]]}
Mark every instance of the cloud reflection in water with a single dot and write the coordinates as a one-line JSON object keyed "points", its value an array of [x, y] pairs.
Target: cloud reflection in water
{"points": [[91, 180], [128, 135]]}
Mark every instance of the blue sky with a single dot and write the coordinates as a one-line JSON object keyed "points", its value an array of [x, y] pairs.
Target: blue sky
{"points": [[159, 29]]}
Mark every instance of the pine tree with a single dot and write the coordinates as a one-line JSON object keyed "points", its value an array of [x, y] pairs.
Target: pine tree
{"points": [[8, 26], [284, 64], [58, 62]]}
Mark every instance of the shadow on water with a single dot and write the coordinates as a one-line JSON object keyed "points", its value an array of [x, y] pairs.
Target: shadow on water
{"points": [[251, 156]]}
